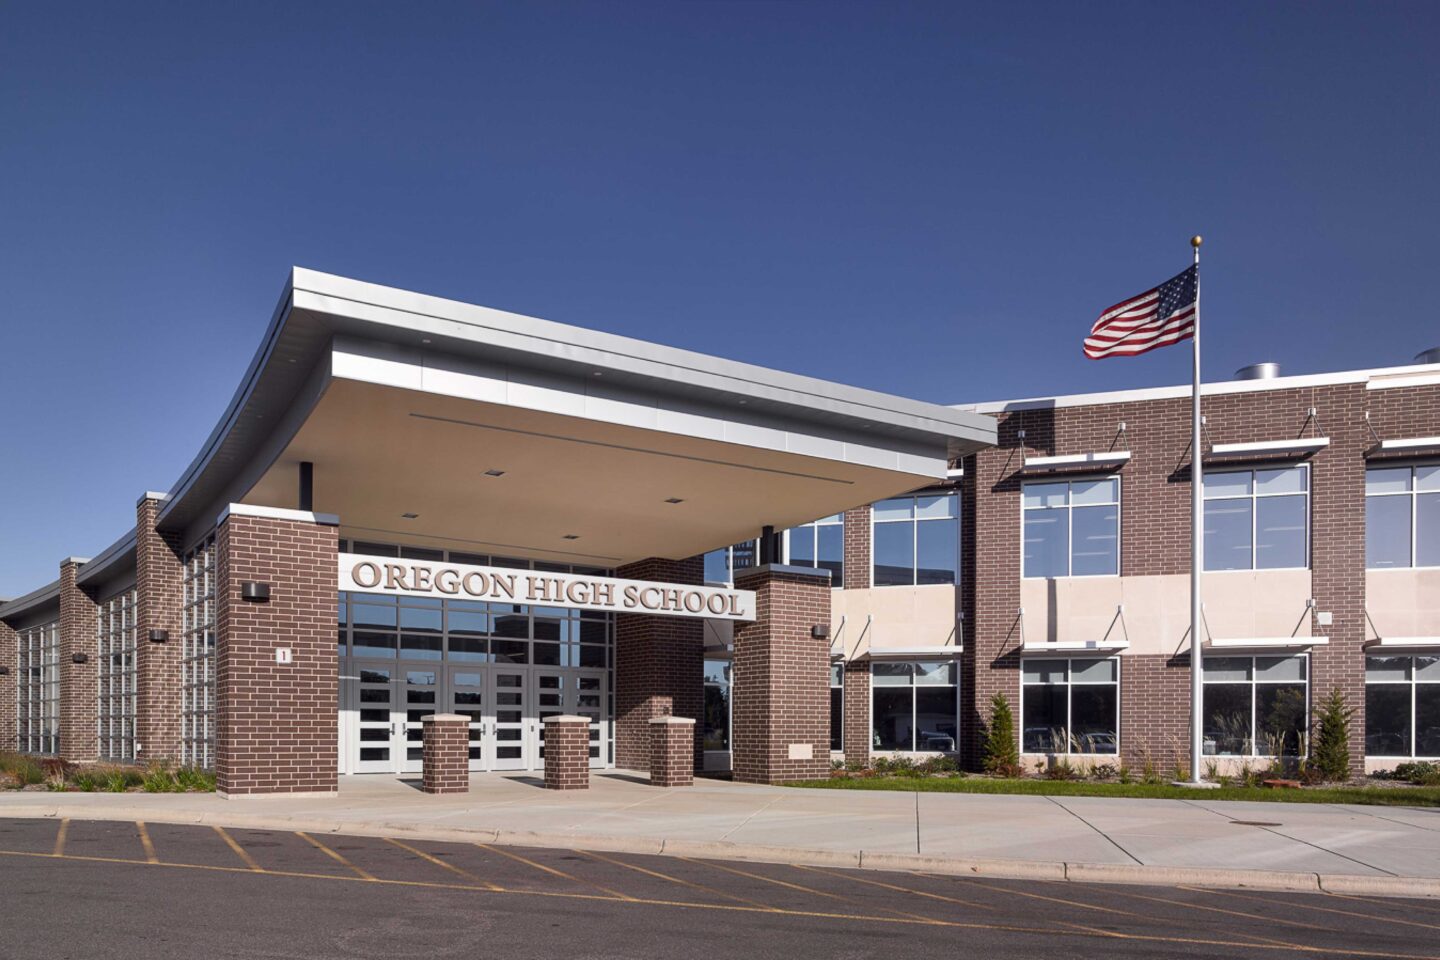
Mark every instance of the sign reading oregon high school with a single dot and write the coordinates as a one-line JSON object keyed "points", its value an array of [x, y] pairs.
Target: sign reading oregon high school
{"points": [[366, 574]]}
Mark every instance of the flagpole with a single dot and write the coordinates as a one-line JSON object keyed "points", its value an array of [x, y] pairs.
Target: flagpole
{"points": [[1197, 545]]}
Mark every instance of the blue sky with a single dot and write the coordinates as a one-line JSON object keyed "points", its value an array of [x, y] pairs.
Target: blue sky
{"points": [[932, 199]]}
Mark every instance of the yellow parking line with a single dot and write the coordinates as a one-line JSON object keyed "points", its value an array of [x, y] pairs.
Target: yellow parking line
{"points": [[1191, 905], [333, 855], [895, 887], [240, 851], [1309, 906], [666, 876], [60, 839], [145, 842], [441, 863], [804, 889], [1039, 896], [552, 871]]}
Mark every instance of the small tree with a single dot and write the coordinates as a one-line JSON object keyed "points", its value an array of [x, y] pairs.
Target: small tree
{"points": [[1002, 753], [1330, 747]]}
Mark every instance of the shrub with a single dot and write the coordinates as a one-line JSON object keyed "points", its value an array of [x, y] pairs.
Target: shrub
{"points": [[1123, 774], [86, 780], [1002, 753], [1330, 747], [190, 778], [1062, 770], [1104, 771], [935, 765], [1422, 773], [158, 780], [26, 771]]}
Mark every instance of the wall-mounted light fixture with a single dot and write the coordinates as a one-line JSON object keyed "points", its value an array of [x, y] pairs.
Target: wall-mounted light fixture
{"points": [[820, 631], [4, 671], [159, 636], [253, 592], [80, 657]]}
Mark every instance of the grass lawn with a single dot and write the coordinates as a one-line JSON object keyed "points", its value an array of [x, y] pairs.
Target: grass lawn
{"points": [[1385, 796]]}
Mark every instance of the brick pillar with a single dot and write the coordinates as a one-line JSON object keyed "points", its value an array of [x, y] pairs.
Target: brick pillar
{"points": [[672, 751], [659, 665], [993, 639], [276, 723], [159, 580], [857, 548], [446, 752], [857, 726], [781, 688], [567, 753], [79, 682], [9, 687]]}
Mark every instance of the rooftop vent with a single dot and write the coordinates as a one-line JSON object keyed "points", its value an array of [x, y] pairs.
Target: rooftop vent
{"points": [[1258, 371], [1428, 356]]}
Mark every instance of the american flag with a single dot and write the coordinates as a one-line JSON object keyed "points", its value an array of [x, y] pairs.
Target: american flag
{"points": [[1155, 318]]}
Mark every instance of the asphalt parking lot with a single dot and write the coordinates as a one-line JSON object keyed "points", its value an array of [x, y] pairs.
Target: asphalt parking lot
{"points": [[96, 889]]}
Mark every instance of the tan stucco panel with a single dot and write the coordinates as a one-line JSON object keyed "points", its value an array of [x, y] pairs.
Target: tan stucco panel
{"points": [[1402, 603], [881, 617]]}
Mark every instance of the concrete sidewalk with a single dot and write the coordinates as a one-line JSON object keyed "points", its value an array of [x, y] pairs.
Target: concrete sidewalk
{"points": [[1278, 846]]}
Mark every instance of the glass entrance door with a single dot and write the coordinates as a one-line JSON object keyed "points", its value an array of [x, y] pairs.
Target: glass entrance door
{"points": [[420, 697], [509, 745], [370, 697], [465, 695]]}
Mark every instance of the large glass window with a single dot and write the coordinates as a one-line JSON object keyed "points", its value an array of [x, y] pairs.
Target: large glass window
{"points": [[820, 544], [1402, 706], [38, 692], [916, 540], [913, 705], [720, 565], [716, 733], [1071, 706], [837, 705], [115, 637], [1402, 517], [1257, 519], [1072, 528], [1256, 706], [197, 657]]}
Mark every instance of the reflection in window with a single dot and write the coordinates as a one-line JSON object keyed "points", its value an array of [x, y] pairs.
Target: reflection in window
{"points": [[837, 705], [720, 565], [1257, 519], [913, 705], [1402, 706], [820, 544], [1256, 706], [1072, 528], [1402, 517], [916, 541], [716, 732], [1071, 706]]}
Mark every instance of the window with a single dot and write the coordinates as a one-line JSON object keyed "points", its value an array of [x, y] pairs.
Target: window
{"points": [[197, 658], [913, 705], [1256, 706], [820, 544], [115, 643], [38, 695], [1402, 706], [716, 733], [720, 565], [1072, 528], [837, 705], [1071, 706], [916, 541], [1257, 519], [1402, 517]]}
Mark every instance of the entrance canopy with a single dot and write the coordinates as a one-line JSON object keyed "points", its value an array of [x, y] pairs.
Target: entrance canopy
{"points": [[434, 421]]}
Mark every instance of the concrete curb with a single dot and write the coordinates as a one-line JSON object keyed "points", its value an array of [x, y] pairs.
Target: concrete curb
{"points": [[1045, 870]]}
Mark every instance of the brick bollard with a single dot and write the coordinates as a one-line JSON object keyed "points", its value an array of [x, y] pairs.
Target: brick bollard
{"points": [[446, 764], [672, 751], [567, 753]]}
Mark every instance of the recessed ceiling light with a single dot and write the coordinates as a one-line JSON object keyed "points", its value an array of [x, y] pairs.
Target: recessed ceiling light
{"points": [[424, 339], [674, 500], [410, 516], [598, 373], [572, 536], [494, 473]]}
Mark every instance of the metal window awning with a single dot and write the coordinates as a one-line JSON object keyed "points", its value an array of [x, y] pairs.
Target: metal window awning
{"points": [[1294, 447], [911, 653], [1405, 445], [1402, 644], [1264, 643], [1072, 461], [1042, 648]]}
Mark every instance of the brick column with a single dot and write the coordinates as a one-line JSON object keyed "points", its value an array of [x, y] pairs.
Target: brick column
{"points": [[276, 723], [858, 729], [993, 636], [857, 548], [672, 751], [79, 682], [659, 665], [159, 576], [781, 690], [446, 753], [567, 753], [9, 687]]}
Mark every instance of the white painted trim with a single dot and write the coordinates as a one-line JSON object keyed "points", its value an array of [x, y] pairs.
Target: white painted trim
{"points": [[276, 513], [1106, 459], [1296, 445], [1410, 443], [1391, 383]]}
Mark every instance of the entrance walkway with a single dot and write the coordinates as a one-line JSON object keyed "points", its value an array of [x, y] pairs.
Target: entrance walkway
{"points": [[1338, 848]]}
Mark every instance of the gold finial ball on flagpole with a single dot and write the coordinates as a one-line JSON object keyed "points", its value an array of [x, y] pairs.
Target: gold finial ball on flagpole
{"points": [[1196, 240]]}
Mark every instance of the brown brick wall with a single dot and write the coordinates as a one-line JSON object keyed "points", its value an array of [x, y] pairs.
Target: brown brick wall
{"points": [[991, 658], [781, 688], [857, 548], [79, 682], [659, 665], [856, 722], [567, 753], [159, 583], [672, 752], [276, 725], [445, 767], [9, 686]]}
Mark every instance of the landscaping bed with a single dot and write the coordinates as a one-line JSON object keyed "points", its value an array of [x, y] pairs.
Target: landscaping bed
{"points": [[20, 772]]}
